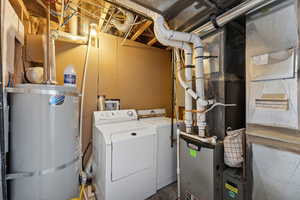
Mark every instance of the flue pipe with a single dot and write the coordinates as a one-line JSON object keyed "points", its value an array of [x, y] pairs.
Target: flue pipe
{"points": [[231, 14], [189, 93], [164, 35], [199, 72]]}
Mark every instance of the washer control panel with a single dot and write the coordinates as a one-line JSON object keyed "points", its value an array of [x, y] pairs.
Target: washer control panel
{"points": [[114, 116]]}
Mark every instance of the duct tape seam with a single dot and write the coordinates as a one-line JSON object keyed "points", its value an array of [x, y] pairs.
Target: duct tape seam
{"points": [[206, 57], [14, 176]]}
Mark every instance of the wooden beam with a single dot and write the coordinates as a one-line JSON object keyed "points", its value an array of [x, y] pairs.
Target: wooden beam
{"points": [[104, 13], [151, 42], [141, 30], [24, 12], [59, 6]]}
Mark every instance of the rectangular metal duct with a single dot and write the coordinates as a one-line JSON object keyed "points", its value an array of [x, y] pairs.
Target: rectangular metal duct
{"points": [[272, 66], [225, 80], [186, 14]]}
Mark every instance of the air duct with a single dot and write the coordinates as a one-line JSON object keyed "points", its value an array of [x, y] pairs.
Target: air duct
{"points": [[73, 23], [125, 26], [68, 37], [231, 15]]}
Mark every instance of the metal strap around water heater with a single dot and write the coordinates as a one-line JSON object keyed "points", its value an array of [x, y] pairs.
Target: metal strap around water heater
{"points": [[20, 175], [40, 91]]}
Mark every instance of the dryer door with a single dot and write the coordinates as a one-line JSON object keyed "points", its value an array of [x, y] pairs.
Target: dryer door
{"points": [[132, 152]]}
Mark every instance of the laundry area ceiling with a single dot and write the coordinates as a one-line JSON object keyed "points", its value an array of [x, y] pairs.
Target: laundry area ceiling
{"points": [[186, 15], [183, 15]]}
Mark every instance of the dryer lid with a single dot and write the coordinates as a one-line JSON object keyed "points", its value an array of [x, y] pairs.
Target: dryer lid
{"points": [[159, 121]]}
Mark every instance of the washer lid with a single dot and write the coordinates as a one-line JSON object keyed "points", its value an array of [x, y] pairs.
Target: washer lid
{"points": [[158, 121], [108, 130], [132, 152]]}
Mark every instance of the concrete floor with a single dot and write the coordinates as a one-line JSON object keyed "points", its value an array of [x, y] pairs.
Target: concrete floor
{"points": [[167, 193]]}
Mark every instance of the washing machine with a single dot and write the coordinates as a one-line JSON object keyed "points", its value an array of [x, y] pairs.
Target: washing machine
{"points": [[166, 153], [124, 150]]}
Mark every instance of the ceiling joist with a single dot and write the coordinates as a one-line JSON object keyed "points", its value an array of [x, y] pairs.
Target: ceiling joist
{"points": [[24, 12], [104, 14], [141, 30], [152, 41]]}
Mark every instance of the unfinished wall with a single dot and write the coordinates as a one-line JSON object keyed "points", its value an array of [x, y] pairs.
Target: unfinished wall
{"points": [[75, 54], [137, 74]]}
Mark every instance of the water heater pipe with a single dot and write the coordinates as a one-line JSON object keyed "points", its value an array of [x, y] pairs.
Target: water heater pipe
{"points": [[52, 75], [44, 43], [83, 85]]}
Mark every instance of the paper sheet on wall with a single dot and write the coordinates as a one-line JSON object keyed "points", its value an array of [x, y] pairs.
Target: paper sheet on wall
{"points": [[261, 59]]}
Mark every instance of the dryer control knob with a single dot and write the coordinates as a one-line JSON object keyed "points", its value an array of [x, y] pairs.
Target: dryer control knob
{"points": [[130, 113]]}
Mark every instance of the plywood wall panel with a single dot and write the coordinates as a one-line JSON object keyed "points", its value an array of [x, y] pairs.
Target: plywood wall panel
{"points": [[108, 73], [139, 75], [73, 54]]}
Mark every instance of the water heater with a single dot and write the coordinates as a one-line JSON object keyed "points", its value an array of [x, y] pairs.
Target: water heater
{"points": [[44, 157]]}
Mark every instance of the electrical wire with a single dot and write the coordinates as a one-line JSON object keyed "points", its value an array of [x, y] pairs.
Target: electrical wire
{"points": [[217, 104]]}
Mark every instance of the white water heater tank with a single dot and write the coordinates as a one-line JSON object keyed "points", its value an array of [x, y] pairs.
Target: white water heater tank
{"points": [[44, 149]]}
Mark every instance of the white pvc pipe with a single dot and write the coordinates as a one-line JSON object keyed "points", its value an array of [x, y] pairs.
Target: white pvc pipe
{"points": [[188, 98], [187, 87], [188, 73], [199, 72], [52, 62], [169, 37]]}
